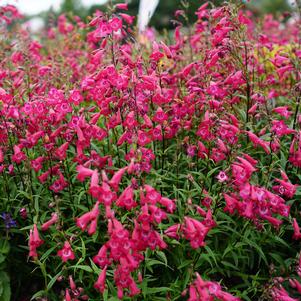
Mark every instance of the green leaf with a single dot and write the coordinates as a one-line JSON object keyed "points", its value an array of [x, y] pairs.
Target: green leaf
{"points": [[281, 241], [201, 259], [258, 248], [212, 171], [24, 194], [83, 248], [212, 255], [47, 253], [53, 280], [2, 258], [4, 246], [162, 256], [80, 195], [82, 267], [278, 259], [154, 290], [95, 268], [36, 205], [41, 293], [105, 295], [230, 265], [5, 287], [185, 263]]}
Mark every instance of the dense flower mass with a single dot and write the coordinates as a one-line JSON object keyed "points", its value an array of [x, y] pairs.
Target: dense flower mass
{"points": [[152, 168]]}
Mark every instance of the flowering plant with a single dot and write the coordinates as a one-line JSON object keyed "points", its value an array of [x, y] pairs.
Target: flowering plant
{"points": [[152, 170]]}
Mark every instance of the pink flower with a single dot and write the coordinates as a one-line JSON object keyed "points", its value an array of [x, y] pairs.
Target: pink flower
{"points": [[126, 199], [166, 50], [195, 232], [274, 221], [157, 214], [191, 150], [143, 138], [83, 172], [231, 203], [66, 253], [67, 295], [61, 152], [156, 56], [75, 97], [1, 156], [295, 284], [115, 24], [285, 188], [297, 234], [173, 231], [18, 155], [95, 189], [201, 290], [59, 185], [283, 111], [130, 120], [168, 204], [123, 6], [222, 177], [102, 30], [156, 133], [280, 128], [281, 294], [87, 218], [160, 116], [127, 18], [259, 142], [106, 196], [53, 220], [34, 241], [37, 164], [100, 283], [101, 258]]}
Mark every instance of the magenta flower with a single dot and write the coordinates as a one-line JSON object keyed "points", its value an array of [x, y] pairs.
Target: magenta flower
{"points": [[66, 253]]}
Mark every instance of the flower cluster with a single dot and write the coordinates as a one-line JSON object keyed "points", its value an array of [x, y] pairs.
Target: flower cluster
{"points": [[208, 291]]}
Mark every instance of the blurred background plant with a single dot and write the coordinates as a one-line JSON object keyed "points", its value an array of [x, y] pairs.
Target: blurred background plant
{"points": [[161, 19]]}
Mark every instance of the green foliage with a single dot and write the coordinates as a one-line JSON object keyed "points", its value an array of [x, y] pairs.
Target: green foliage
{"points": [[269, 6], [5, 290]]}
